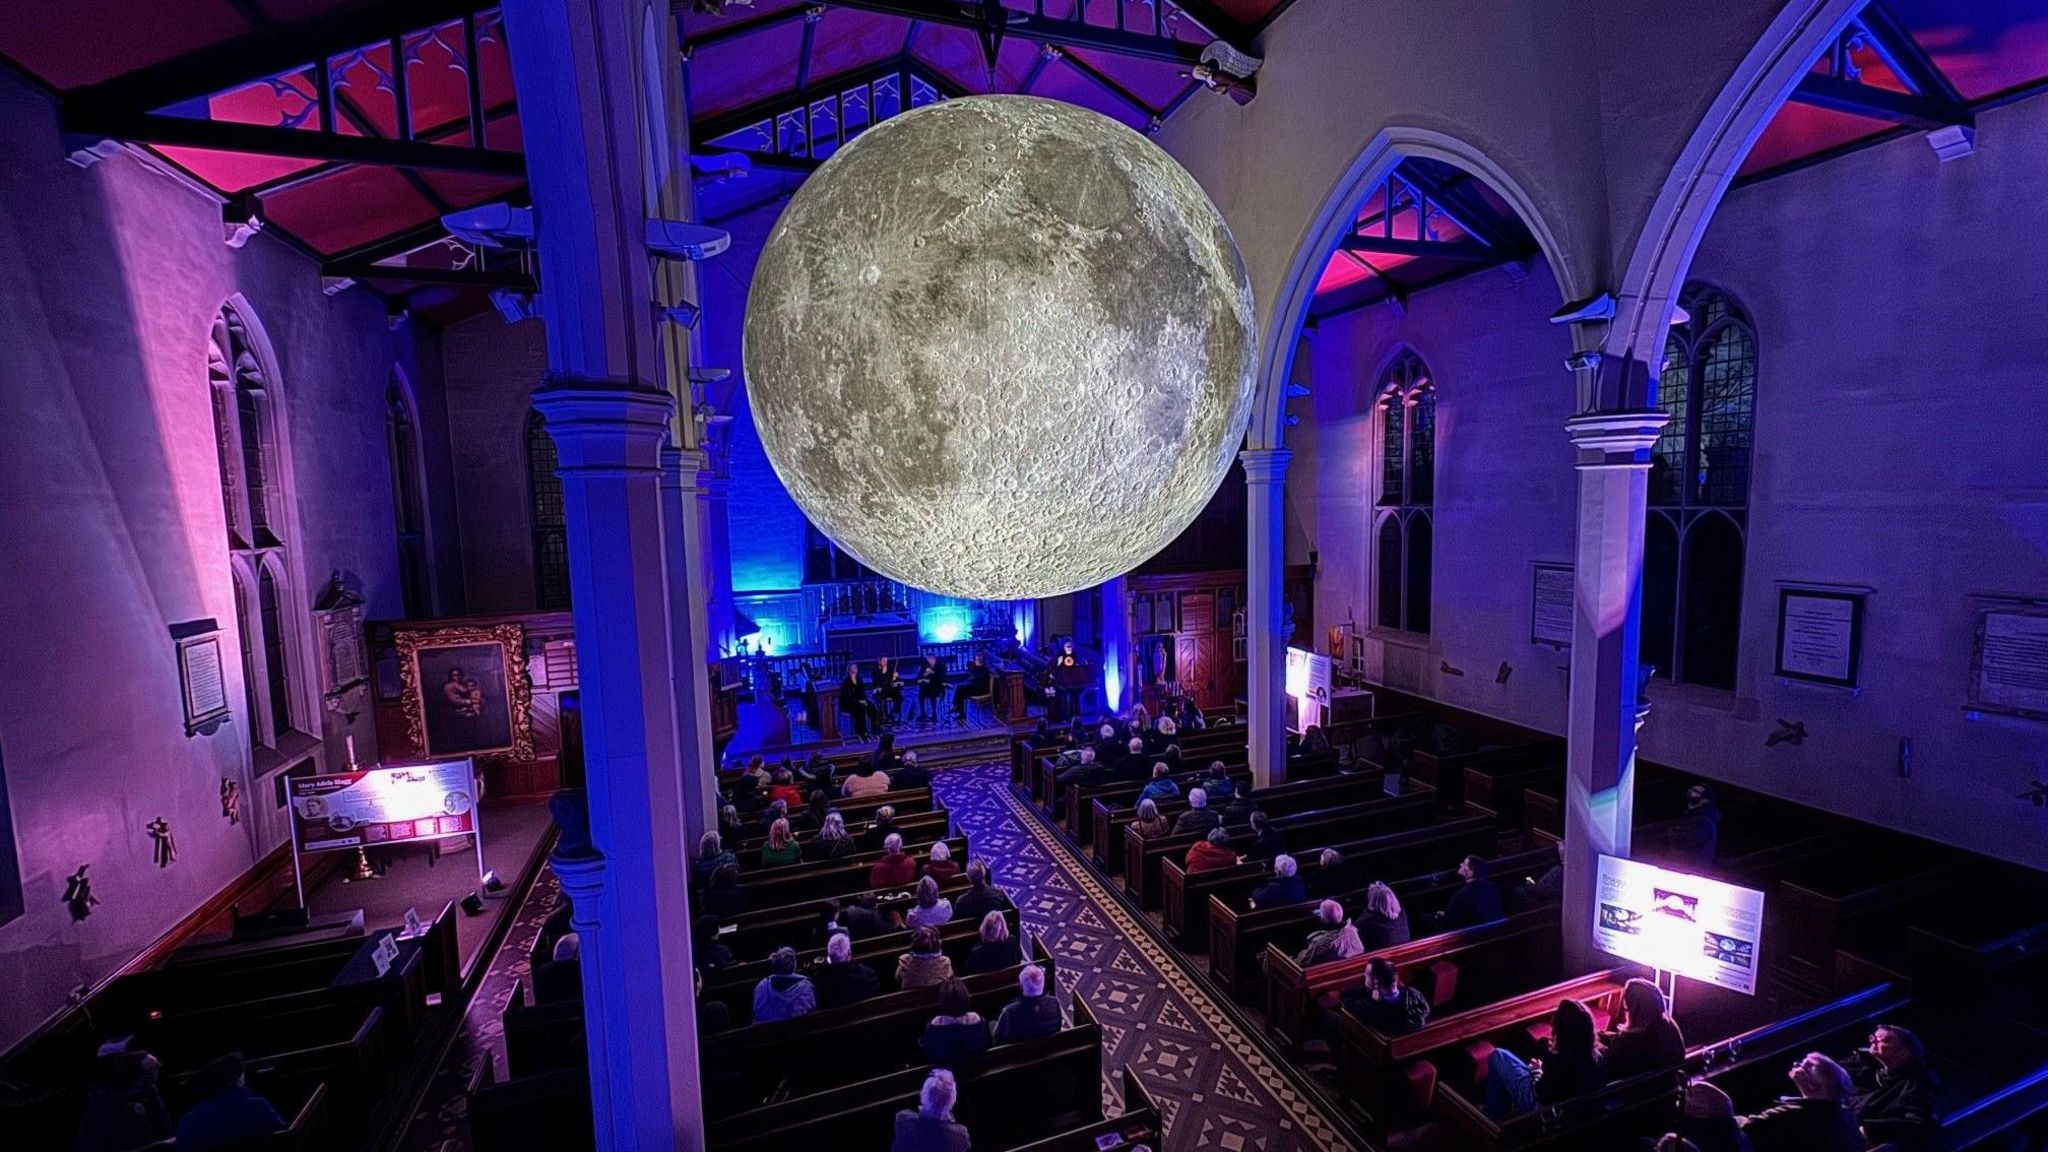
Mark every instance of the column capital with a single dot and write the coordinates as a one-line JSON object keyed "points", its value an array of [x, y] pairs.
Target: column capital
{"points": [[607, 430], [582, 877], [1265, 465], [682, 469], [1619, 439]]}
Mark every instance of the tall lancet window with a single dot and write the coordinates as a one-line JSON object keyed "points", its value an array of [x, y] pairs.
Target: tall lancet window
{"points": [[550, 524], [408, 504], [1696, 538], [1403, 530]]}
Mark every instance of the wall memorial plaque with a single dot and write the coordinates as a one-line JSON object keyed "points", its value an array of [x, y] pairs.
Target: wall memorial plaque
{"points": [[2009, 667], [1820, 635], [201, 678], [1550, 612]]}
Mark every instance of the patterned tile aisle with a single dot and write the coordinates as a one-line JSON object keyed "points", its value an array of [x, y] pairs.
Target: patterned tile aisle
{"points": [[1215, 1088]]}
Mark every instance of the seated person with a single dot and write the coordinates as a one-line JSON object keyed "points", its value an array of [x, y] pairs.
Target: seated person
{"points": [[1284, 888], [1210, 853], [776, 810], [1894, 1091], [711, 853], [1267, 843], [785, 789], [939, 864], [864, 918], [1087, 771], [978, 684], [782, 848], [1648, 1038], [911, 775], [841, 980], [1150, 823], [1385, 922], [727, 897], [560, 980], [931, 1128], [124, 1109], [1217, 782], [1335, 938], [1199, 819], [894, 868], [1161, 786], [228, 1114], [1695, 835], [1570, 1066], [878, 830], [1330, 879], [981, 897], [958, 1032], [706, 948], [1134, 766], [931, 909], [1476, 902], [833, 841], [867, 780], [1819, 1119], [1384, 1003], [1239, 812], [785, 993], [1032, 1013], [996, 950], [926, 963]]}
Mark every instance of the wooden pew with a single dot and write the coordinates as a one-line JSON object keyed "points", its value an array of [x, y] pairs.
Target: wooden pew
{"points": [[1238, 935], [858, 812], [1196, 750], [542, 1037], [341, 1049], [1015, 1095], [549, 1111], [1483, 954], [833, 1046], [1368, 827], [771, 887], [734, 986], [1659, 797], [1079, 800], [1447, 773], [1142, 856], [762, 930], [1502, 789], [1138, 1125], [916, 828], [1108, 815], [1817, 904]]}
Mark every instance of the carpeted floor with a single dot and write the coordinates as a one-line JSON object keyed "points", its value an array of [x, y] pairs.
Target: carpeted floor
{"points": [[1215, 1087]]}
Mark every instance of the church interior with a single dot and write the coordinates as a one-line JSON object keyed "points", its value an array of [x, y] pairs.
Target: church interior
{"points": [[1069, 575]]}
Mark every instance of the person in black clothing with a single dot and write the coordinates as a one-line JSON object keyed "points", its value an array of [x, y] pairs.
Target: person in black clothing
{"points": [[1284, 888], [910, 775], [727, 897], [878, 832], [840, 980], [1696, 834], [1894, 1090], [1573, 1066], [1239, 810], [981, 898], [1647, 1038], [977, 685], [705, 947], [125, 1108], [1267, 843], [1070, 697], [997, 949], [1477, 902], [1042, 738], [888, 692], [863, 920], [1384, 1003], [884, 758], [853, 700], [958, 1032], [560, 980], [931, 687], [1706, 1123]]}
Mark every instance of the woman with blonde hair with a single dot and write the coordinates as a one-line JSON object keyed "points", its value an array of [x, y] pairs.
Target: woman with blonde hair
{"points": [[997, 950], [782, 848], [832, 841]]}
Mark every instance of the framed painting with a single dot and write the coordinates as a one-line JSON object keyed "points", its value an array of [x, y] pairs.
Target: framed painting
{"points": [[464, 690]]}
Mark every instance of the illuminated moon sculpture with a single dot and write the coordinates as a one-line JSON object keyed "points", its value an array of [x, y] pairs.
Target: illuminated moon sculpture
{"points": [[1000, 347]]}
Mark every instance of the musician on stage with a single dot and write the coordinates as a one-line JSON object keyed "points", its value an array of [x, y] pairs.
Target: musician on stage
{"points": [[977, 685], [853, 700], [888, 692], [931, 687]]}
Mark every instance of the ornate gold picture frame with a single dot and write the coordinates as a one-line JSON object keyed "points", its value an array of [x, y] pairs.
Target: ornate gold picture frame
{"points": [[465, 690]]}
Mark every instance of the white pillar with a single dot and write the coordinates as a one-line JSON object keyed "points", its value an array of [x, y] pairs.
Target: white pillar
{"points": [[1614, 473], [718, 609], [1118, 691], [689, 635], [1265, 474]]}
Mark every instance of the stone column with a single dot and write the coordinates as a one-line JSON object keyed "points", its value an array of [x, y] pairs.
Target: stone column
{"points": [[1265, 473], [1614, 476], [689, 634], [1118, 691], [718, 606], [598, 79]]}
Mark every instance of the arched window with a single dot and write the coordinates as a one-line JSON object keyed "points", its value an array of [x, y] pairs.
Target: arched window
{"points": [[408, 507], [1696, 538], [255, 501], [1406, 406], [550, 526]]}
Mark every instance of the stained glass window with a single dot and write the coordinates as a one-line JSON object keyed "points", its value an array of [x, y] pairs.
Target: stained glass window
{"points": [[1407, 413]]}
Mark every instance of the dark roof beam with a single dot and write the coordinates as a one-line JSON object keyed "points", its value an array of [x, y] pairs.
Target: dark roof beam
{"points": [[1042, 29], [1459, 250], [1838, 95], [447, 277], [1115, 90], [228, 136]]}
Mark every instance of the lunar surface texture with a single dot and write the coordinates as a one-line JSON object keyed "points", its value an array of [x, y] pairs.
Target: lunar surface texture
{"points": [[1000, 347]]}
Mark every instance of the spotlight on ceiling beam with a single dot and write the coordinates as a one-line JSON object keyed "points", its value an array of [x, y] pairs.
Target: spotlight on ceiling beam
{"points": [[1586, 311], [492, 226]]}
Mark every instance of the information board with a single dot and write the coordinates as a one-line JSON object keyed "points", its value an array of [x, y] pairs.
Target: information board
{"points": [[384, 806], [1679, 923], [1820, 635], [2011, 666], [1308, 682], [1550, 605]]}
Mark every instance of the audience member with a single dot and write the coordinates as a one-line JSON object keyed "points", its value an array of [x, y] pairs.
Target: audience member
{"points": [[926, 963], [785, 789], [931, 1128], [1648, 1038], [879, 829], [1032, 1013], [1284, 888], [1383, 1002], [1217, 782], [911, 775], [124, 1108], [727, 897], [1697, 831], [1150, 823], [785, 993], [931, 909], [1476, 902], [864, 919], [1706, 1123], [958, 1032], [1330, 877], [1160, 787], [560, 979], [1210, 853], [997, 949], [1819, 1119], [1893, 1091], [711, 855], [706, 948], [833, 841], [1267, 843], [981, 898], [730, 826], [1240, 810], [1385, 922], [713, 1016], [782, 848], [894, 868], [1198, 819], [841, 979], [940, 865], [1573, 1064], [1335, 938], [867, 780], [228, 1114]]}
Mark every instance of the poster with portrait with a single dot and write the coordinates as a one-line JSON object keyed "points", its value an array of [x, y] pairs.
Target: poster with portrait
{"points": [[465, 690], [1677, 922]]}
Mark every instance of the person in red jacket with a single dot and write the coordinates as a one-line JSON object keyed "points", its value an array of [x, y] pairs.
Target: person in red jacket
{"points": [[1211, 853], [894, 868]]}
